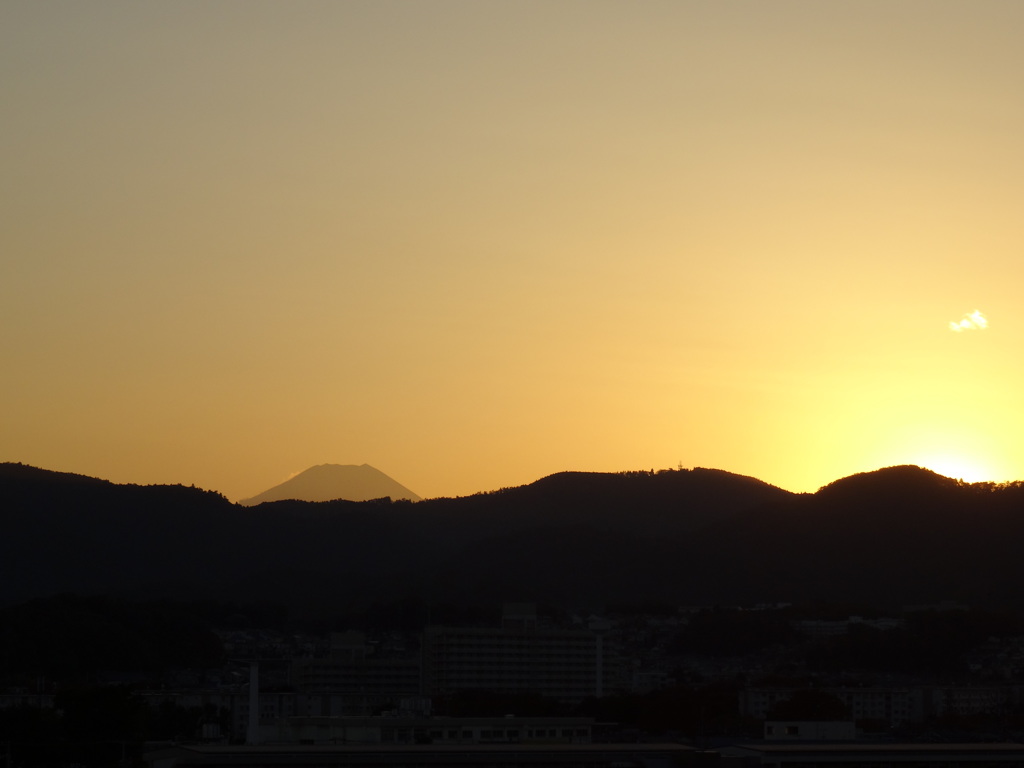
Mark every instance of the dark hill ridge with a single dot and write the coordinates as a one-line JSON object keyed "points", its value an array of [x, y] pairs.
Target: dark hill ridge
{"points": [[327, 482], [905, 481], [651, 503], [899, 535], [903, 530]]}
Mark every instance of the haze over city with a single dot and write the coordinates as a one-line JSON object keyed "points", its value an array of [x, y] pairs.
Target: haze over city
{"points": [[474, 244]]}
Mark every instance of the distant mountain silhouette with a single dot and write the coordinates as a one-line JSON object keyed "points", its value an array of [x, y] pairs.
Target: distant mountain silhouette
{"points": [[907, 481], [701, 537], [327, 482]]}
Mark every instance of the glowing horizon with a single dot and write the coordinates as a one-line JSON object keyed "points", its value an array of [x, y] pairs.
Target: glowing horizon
{"points": [[472, 244]]}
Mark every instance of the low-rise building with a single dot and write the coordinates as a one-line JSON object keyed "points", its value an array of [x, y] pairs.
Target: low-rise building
{"points": [[809, 730], [427, 730], [891, 705], [868, 755]]}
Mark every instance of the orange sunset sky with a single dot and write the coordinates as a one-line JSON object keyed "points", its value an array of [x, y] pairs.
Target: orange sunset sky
{"points": [[475, 243]]}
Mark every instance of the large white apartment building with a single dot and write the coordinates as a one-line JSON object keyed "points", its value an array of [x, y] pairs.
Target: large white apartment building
{"points": [[354, 679], [521, 656]]}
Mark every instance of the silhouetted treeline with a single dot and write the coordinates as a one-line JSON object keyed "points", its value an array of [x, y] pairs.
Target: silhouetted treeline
{"points": [[578, 540], [96, 725], [71, 638]]}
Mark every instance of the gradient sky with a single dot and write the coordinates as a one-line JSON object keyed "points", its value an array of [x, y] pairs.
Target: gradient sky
{"points": [[475, 243]]}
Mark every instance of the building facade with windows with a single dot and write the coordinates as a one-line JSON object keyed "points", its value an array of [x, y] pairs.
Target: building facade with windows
{"points": [[521, 656]]}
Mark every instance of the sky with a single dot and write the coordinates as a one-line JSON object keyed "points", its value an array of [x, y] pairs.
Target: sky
{"points": [[474, 243]]}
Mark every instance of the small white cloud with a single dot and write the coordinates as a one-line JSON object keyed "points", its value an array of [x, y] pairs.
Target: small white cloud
{"points": [[975, 321]]}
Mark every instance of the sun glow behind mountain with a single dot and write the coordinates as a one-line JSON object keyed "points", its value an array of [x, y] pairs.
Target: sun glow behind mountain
{"points": [[480, 243], [959, 468], [957, 451]]}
